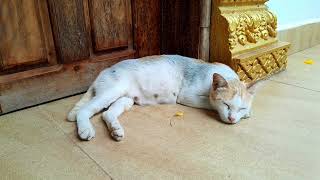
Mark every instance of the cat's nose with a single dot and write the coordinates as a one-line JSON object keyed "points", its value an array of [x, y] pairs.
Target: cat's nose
{"points": [[231, 119]]}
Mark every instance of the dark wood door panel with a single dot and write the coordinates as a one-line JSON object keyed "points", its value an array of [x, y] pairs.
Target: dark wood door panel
{"points": [[110, 23], [180, 32], [25, 35], [146, 17], [68, 23]]}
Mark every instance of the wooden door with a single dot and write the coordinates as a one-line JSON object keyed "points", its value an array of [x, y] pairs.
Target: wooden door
{"points": [[26, 38], [51, 49], [185, 27]]}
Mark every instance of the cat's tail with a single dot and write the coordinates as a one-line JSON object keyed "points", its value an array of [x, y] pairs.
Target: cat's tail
{"points": [[84, 99]]}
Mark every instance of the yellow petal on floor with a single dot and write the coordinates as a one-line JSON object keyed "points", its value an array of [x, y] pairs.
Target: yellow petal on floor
{"points": [[179, 114], [308, 61]]}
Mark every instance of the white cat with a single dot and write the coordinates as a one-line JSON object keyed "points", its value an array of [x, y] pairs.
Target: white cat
{"points": [[165, 79]]}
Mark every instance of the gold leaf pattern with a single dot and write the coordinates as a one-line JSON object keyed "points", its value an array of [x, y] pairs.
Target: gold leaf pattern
{"points": [[258, 68], [250, 26]]}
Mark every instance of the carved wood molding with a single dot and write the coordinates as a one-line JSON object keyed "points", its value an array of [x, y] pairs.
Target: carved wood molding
{"points": [[241, 33], [250, 28], [260, 64], [240, 2]]}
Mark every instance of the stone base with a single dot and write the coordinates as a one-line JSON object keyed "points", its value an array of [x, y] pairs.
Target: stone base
{"points": [[260, 63]]}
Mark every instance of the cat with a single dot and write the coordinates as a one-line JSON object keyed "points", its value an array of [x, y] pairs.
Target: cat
{"points": [[162, 79]]}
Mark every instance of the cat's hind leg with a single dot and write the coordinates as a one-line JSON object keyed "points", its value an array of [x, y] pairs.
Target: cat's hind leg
{"points": [[95, 105], [111, 117], [84, 99]]}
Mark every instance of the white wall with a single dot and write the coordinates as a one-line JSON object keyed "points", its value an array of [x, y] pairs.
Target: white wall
{"points": [[293, 13]]}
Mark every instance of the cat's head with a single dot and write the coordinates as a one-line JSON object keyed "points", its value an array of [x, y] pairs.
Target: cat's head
{"points": [[232, 99]]}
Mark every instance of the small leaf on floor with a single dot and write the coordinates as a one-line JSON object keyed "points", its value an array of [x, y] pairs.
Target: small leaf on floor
{"points": [[308, 61], [179, 114]]}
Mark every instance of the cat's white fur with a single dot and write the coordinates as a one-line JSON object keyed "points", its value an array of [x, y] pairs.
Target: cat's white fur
{"points": [[165, 79]]}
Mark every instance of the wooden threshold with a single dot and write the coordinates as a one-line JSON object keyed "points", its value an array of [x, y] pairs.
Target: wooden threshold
{"points": [[26, 89]]}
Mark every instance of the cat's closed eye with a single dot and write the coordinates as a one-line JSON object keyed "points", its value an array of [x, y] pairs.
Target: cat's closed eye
{"points": [[227, 105], [241, 109]]}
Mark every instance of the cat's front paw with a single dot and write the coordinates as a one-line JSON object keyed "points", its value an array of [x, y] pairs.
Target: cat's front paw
{"points": [[86, 132], [117, 134], [116, 130]]}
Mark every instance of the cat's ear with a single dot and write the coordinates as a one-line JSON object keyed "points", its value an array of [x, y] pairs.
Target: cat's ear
{"points": [[253, 87], [218, 81]]}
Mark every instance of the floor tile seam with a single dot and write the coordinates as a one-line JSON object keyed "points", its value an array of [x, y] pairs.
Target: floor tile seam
{"points": [[307, 55], [74, 143], [289, 84], [91, 158]]}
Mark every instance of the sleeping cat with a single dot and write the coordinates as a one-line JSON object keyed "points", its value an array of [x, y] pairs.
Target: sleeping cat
{"points": [[165, 79]]}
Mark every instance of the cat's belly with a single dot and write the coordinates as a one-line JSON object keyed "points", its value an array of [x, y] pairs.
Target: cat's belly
{"points": [[154, 97], [154, 83]]}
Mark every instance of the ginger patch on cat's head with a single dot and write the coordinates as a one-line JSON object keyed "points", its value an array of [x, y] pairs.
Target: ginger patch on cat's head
{"points": [[232, 98], [221, 89]]}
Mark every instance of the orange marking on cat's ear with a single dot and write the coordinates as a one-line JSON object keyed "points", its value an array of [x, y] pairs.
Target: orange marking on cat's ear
{"points": [[218, 81]]}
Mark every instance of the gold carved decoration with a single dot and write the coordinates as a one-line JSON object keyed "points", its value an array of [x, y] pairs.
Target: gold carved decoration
{"points": [[256, 68], [244, 36], [233, 2], [250, 27]]}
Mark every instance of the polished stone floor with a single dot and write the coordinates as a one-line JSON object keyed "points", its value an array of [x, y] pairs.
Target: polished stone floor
{"points": [[280, 141]]}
